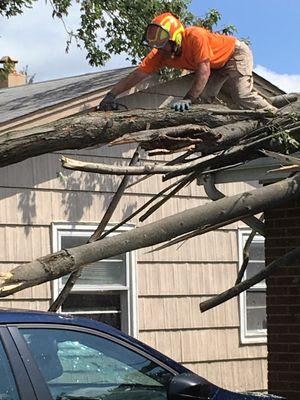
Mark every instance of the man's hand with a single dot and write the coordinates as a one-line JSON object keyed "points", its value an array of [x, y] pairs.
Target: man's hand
{"points": [[182, 105], [108, 103]]}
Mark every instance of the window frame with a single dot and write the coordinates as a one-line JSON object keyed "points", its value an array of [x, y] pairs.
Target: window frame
{"points": [[128, 292], [260, 335]]}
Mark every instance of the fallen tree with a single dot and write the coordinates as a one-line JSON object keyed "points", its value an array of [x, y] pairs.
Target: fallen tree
{"points": [[221, 212], [92, 129], [208, 139]]}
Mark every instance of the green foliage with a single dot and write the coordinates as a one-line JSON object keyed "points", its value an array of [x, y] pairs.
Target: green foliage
{"points": [[210, 20], [108, 26], [7, 68], [10, 8], [288, 143], [113, 26]]}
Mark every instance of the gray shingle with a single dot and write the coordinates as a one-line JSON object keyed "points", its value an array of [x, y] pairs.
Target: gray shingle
{"points": [[22, 100]]}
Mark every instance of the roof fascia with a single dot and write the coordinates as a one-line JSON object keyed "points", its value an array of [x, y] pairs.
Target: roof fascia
{"points": [[255, 170]]}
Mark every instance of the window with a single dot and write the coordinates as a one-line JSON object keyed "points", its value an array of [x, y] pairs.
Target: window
{"points": [[253, 301], [8, 388], [81, 365], [105, 290]]}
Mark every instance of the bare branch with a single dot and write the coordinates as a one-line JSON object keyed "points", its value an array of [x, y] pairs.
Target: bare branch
{"points": [[115, 200], [140, 209], [57, 303], [186, 180], [147, 169], [95, 236], [283, 261], [246, 251], [220, 212], [282, 158], [154, 134]]}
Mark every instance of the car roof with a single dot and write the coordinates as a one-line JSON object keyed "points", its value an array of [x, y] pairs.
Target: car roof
{"points": [[14, 316]]}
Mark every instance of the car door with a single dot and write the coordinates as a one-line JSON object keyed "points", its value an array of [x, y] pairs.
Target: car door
{"points": [[80, 363], [15, 383]]}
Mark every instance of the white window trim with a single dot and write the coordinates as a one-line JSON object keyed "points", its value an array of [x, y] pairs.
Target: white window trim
{"points": [[260, 336], [131, 272]]}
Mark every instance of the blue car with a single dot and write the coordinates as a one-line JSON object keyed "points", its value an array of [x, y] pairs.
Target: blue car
{"points": [[47, 356]]}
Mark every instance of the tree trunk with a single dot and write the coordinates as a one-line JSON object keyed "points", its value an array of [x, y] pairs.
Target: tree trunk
{"points": [[99, 128], [223, 212]]}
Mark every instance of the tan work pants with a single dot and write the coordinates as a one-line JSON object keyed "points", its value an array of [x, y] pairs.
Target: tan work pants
{"points": [[237, 80]]}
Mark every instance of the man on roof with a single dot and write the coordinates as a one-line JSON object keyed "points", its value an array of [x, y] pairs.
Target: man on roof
{"points": [[216, 60]]}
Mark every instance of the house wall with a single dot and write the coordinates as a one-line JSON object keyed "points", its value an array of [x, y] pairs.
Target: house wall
{"points": [[283, 302], [171, 282]]}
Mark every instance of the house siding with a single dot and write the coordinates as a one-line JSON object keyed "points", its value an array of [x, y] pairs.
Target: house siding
{"points": [[283, 302], [36, 193], [170, 283]]}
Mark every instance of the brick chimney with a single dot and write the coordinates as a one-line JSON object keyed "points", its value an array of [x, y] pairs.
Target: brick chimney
{"points": [[10, 78]]}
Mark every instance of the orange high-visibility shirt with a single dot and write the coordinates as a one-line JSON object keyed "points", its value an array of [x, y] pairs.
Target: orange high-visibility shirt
{"points": [[198, 45]]}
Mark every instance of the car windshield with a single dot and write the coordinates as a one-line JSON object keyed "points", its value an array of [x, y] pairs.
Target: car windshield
{"points": [[79, 365]]}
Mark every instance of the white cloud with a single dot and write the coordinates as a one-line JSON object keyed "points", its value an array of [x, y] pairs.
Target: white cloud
{"points": [[39, 41], [287, 82]]}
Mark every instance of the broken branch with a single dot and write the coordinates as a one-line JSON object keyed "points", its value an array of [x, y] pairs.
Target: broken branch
{"points": [[283, 261], [221, 211]]}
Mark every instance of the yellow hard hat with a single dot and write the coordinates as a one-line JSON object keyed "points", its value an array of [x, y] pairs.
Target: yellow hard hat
{"points": [[163, 28]]}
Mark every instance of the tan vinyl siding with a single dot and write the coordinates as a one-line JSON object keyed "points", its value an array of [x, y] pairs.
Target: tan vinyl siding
{"points": [[202, 344], [185, 279], [169, 313], [171, 283], [23, 243], [242, 375]]}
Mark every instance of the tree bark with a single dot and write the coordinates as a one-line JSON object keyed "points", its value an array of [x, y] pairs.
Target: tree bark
{"points": [[220, 212], [100, 128]]}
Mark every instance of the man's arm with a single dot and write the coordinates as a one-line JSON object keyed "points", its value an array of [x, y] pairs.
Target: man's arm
{"points": [[108, 103], [200, 80]]}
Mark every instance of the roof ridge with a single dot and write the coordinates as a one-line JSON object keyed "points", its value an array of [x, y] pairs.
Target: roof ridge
{"points": [[68, 77]]}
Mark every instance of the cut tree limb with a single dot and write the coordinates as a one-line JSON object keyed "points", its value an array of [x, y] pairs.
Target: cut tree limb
{"points": [[98, 128], [242, 152], [100, 168], [232, 208]]}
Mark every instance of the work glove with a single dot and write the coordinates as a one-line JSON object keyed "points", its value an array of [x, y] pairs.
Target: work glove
{"points": [[182, 105], [108, 103]]}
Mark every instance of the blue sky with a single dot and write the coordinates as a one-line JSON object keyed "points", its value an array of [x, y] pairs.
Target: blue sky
{"points": [[271, 25]]}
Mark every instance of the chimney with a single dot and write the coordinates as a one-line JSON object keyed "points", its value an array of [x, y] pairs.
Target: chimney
{"points": [[9, 77]]}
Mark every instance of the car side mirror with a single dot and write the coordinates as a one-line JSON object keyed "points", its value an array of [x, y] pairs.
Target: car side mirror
{"points": [[189, 386]]}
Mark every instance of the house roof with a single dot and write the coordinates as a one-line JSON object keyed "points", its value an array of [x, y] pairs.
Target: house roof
{"points": [[22, 100]]}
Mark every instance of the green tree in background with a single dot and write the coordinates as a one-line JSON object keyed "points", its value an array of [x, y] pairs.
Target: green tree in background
{"points": [[110, 27]]}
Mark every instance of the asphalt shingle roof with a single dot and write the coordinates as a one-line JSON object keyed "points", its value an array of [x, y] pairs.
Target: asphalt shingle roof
{"points": [[18, 101], [22, 100]]}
